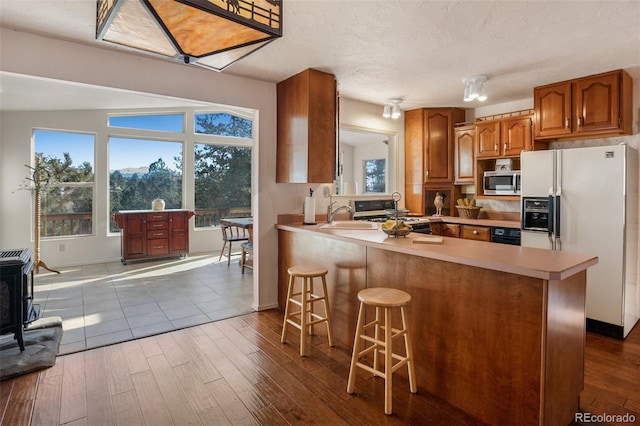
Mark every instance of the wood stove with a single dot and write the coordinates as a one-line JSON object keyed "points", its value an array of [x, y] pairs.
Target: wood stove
{"points": [[16, 293]]}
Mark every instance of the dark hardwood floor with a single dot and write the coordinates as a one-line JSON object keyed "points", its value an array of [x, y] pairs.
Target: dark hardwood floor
{"points": [[236, 371]]}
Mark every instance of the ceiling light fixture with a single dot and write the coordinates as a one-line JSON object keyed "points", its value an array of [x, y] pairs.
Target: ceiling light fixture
{"points": [[386, 112], [392, 108], [474, 88], [212, 34]]}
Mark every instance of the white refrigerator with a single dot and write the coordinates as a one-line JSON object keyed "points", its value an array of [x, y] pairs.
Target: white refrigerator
{"points": [[587, 202]]}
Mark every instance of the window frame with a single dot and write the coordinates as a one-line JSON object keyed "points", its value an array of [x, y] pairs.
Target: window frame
{"points": [[152, 138], [91, 184], [208, 139]]}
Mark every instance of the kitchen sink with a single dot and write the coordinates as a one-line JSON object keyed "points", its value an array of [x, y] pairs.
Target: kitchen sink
{"points": [[350, 224]]}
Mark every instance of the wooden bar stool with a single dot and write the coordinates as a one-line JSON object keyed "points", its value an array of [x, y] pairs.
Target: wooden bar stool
{"points": [[305, 298], [384, 300]]}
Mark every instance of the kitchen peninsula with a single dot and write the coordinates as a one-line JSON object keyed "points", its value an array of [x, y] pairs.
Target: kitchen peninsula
{"points": [[498, 330]]}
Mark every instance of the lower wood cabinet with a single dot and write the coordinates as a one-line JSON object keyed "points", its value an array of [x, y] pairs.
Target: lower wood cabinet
{"points": [[472, 232], [445, 229], [469, 232], [149, 234]]}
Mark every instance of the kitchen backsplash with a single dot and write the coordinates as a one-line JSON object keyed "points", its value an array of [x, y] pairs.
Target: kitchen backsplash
{"points": [[631, 140]]}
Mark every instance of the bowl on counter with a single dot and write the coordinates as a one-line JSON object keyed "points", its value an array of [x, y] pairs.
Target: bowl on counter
{"points": [[394, 232]]}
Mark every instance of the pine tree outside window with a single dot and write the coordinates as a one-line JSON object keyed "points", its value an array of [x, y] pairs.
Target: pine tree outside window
{"points": [[141, 170], [222, 168], [374, 176], [67, 202]]}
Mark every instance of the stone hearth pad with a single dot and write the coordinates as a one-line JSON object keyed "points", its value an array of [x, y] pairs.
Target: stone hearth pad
{"points": [[41, 341]]}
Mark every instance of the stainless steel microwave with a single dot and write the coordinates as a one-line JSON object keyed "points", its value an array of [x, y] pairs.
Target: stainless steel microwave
{"points": [[501, 182]]}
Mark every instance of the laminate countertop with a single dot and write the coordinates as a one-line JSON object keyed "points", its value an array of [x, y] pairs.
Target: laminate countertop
{"points": [[525, 261], [477, 222]]}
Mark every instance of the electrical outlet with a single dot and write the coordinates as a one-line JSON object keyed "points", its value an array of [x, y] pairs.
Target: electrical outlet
{"points": [[61, 247]]}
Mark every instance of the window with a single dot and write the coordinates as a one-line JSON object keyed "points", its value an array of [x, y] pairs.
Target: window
{"points": [[222, 124], [66, 202], [222, 168], [374, 175], [157, 122], [141, 170]]}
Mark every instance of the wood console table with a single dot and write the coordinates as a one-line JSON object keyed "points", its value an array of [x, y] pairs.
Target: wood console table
{"points": [[153, 233]]}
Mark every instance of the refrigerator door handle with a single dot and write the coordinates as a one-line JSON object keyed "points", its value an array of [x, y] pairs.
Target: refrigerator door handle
{"points": [[550, 223], [550, 217], [558, 216]]}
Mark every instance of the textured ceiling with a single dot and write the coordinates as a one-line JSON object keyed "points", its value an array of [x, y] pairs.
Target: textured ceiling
{"points": [[417, 50]]}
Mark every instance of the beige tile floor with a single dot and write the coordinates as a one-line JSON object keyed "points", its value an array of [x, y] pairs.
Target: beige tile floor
{"points": [[107, 303]]}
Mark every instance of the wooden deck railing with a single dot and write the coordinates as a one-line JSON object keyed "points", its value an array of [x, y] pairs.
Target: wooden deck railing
{"points": [[211, 217], [56, 225], [69, 224]]}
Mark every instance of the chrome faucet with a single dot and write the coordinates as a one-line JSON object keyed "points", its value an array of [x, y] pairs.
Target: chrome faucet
{"points": [[331, 213]]}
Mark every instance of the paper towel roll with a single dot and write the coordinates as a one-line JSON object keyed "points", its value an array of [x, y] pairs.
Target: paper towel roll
{"points": [[309, 211]]}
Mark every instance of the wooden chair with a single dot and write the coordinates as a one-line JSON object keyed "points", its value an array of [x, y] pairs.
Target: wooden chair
{"points": [[381, 343], [305, 318], [247, 250], [231, 234]]}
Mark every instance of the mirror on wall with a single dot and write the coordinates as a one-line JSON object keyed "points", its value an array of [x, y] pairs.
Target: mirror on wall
{"points": [[366, 161]]}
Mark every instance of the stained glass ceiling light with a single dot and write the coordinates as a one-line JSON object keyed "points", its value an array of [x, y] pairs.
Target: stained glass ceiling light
{"points": [[208, 33]]}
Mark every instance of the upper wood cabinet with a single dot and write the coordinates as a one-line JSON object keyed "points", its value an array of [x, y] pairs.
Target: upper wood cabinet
{"points": [[488, 135], [594, 106], [429, 144], [307, 119], [504, 138], [429, 151], [465, 155], [516, 135]]}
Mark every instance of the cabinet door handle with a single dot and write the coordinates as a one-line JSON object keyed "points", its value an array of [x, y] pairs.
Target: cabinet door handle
{"points": [[505, 146], [566, 123], [475, 232], [426, 174], [495, 147], [579, 121]]}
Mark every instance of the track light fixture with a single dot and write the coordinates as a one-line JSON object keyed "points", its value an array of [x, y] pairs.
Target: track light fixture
{"points": [[386, 113], [392, 108], [474, 88]]}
